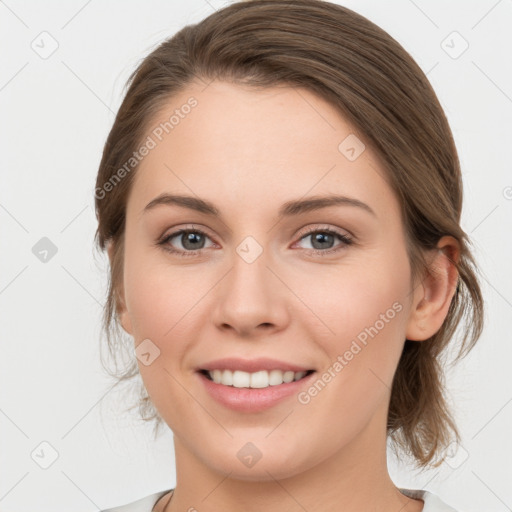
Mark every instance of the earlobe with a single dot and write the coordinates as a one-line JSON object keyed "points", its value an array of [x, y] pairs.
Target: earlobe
{"points": [[434, 295], [122, 314]]}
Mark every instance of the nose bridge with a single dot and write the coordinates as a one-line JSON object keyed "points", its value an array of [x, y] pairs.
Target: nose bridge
{"points": [[250, 294], [249, 277]]}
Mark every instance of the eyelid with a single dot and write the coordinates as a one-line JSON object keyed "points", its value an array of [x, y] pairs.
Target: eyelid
{"points": [[324, 227], [174, 230]]}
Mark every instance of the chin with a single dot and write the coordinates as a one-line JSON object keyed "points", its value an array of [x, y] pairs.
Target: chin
{"points": [[267, 464]]}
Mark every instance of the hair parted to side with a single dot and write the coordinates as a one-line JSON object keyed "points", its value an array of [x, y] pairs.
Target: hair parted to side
{"points": [[375, 84]]}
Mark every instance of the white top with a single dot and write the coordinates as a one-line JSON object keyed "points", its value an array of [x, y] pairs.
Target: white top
{"points": [[432, 502]]}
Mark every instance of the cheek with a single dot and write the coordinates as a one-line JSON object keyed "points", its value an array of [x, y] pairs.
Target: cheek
{"points": [[158, 296], [350, 298], [165, 307], [359, 311], [363, 307], [161, 302]]}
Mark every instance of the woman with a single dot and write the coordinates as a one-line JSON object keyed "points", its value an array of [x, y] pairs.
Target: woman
{"points": [[280, 199]]}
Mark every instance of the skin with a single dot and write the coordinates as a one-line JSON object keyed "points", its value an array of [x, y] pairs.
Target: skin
{"points": [[249, 151]]}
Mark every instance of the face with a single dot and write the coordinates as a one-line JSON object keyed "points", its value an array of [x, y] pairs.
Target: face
{"points": [[325, 289]]}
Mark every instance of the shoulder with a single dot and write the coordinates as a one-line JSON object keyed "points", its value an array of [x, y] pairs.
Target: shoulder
{"points": [[432, 502], [145, 504]]}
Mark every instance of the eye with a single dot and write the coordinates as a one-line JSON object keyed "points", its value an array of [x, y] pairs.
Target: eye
{"points": [[192, 241], [322, 240]]}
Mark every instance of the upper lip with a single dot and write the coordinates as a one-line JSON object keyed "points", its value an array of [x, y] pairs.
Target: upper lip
{"points": [[252, 365]]}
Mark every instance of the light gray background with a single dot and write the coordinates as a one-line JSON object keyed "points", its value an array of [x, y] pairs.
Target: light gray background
{"points": [[56, 113]]}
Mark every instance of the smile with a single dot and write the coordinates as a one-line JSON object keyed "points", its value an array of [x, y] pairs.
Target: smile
{"points": [[259, 379], [253, 392]]}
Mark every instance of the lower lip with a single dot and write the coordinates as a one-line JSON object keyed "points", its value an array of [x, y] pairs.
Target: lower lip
{"points": [[252, 399]]}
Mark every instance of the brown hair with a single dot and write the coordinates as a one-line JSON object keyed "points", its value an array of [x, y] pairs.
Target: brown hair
{"points": [[376, 85]]}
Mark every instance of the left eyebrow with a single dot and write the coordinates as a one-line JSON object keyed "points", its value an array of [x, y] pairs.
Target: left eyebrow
{"points": [[295, 207]]}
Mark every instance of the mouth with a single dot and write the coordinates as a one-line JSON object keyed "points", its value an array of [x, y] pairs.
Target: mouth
{"points": [[256, 390], [254, 380]]}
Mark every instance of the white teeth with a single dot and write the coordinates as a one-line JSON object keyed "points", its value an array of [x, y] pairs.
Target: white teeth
{"points": [[241, 379], [227, 378], [261, 379]]}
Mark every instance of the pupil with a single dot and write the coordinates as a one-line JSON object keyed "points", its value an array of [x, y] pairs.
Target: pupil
{"points": [[321, 237], [190, 238]]}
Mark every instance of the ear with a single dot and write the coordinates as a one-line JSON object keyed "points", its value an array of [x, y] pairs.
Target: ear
{"points": [[120, 303], [434, 294]]}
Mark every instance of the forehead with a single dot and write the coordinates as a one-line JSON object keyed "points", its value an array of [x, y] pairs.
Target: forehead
{"points": [[231, 143]]}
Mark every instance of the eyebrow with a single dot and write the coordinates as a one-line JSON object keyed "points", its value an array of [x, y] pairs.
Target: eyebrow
{"points": [[288, 209], [295, 207]]}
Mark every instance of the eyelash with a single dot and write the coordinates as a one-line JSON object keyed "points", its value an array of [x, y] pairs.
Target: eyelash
{"points": [[347, 241]]}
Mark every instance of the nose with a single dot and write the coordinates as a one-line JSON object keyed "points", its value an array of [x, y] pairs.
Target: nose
{"points": [[252, 299]]}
